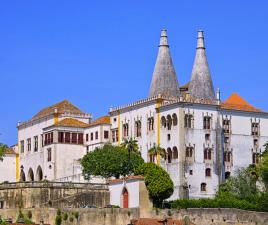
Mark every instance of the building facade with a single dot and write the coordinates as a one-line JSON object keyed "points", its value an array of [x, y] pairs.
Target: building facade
{"points": [[205, 140]]}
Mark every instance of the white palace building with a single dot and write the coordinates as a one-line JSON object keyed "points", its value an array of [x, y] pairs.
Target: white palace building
{"points": [[205, 139]]}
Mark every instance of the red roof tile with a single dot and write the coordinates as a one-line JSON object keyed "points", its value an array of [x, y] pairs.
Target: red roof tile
{"points": [[61, 107], [236, 102], [70, 122]]}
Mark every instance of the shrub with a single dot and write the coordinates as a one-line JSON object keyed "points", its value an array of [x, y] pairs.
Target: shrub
{"points": [[158, 182], [58, 220], [65, 216]]}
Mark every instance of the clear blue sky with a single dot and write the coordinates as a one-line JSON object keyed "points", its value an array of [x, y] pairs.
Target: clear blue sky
{"points": [[102, 53]]}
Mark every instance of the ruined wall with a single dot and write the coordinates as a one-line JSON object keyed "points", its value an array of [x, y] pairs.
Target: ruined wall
{"points": [[57, 195]]}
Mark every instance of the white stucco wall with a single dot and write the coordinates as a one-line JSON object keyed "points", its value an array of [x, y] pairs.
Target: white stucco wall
{"points": [[8, 168], [116, 188]]}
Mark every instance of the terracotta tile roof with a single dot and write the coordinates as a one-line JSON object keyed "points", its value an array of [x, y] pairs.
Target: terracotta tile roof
{"points": [[236, 102], [62, 107], [101, 120], [126, 178], [70, 122], [10, 151], [147, 221]]}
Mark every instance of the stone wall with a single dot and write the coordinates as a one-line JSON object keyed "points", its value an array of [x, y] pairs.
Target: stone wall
{"points": [[213, 216], [85, 216], [57, 195], [124, 216]]}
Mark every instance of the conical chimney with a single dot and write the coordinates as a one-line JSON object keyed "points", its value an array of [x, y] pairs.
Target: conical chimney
{"points": [[164, 79]]}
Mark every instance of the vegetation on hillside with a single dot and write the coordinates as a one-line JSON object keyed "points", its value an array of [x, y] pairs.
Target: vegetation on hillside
{"points": [[248, 190]]}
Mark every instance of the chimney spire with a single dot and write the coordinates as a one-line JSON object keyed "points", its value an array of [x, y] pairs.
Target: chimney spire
{"points": [[201, 85], [164, 79]]}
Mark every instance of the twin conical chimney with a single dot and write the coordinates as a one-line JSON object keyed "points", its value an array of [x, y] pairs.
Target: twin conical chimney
{"points": [[164, 79], [201, 86]]}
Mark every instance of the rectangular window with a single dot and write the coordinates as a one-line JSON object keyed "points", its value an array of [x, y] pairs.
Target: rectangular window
{"points": [[188, 120], [116, 135], [207, 154], [80, 139], [74, 138], [207, 122], [67, 137], [255, 158], [106, 134], [91, 136], [96, 135], [150, 124], [226, 126], [189, 152], [48, 138], [168, 137], [86, 137], [35, 143], [29, 144], [22, 146], [255, 129], [49, 154], [60, 137], [227, 156]]}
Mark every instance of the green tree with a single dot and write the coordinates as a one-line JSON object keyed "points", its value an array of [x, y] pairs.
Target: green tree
{"points": [[241, 186], [158, 182], [131, 145], [3, 149], [110, 161], [158, 151], [264, 166]]}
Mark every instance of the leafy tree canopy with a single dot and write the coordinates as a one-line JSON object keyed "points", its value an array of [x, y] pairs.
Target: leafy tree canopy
{"points": [[110, 161], [158, 182], [263, 166], [3, 148]]}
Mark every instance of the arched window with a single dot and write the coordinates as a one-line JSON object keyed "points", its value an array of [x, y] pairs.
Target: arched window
{"points": [[30, 176], [169, 155], [175, 153], [208, 172], [163, 122], [125, 198], [138, 128], [169, 122], [174, 119], [203, 187], [39, 174]]}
